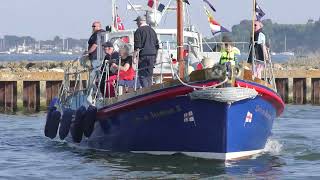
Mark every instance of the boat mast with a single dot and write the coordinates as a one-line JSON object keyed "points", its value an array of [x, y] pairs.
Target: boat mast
{"points": [[180, 37], [113, 11]]}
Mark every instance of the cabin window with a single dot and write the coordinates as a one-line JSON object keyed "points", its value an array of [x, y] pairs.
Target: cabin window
{"points": [[170, 39], [191, 40], [119, 42], [124, 39]]}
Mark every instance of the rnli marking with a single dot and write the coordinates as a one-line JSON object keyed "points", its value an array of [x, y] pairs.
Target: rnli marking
{"points": [[248, 118], [188, 117]]}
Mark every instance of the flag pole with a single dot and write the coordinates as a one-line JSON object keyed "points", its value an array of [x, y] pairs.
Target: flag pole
{"points": [[252, 41], [253, 19]]}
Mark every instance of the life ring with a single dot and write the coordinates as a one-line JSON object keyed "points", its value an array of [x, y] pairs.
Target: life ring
{"points": [[52, 122], [89, 120], [76, 128], [65, 123]]}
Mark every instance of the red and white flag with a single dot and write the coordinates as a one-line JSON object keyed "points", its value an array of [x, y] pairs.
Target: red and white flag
{"points": [[249, 117], [119, 24]]}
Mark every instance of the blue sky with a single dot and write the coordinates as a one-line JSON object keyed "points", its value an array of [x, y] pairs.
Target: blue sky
{"points": [[43, 19]]}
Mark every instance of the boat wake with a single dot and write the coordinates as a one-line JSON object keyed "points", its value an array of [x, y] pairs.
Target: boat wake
{"points": [[273, 147]]}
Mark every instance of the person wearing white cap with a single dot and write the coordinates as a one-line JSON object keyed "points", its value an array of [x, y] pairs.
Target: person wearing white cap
{"points": [[147, 44]]}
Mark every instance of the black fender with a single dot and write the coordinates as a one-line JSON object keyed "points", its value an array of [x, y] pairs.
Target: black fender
{"points": [[89, 120], [52, 122], [76, 128], [65, 123]]}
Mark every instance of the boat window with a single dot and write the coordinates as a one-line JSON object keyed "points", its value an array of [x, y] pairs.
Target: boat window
{"points": [[171, 39], [119, 41], [124, 39], [191, 40]]}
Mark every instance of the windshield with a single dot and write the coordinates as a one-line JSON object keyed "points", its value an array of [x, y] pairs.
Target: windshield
{"points": [[171, 41]]}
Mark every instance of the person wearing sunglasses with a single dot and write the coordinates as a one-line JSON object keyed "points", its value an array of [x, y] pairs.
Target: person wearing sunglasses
{"points": [[92, 51]]}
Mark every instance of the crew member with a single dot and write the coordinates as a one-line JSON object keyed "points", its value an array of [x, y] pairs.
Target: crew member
{"points": [[147, 44], [260, 49], [111, 56], [228, 53], [92, 50]]}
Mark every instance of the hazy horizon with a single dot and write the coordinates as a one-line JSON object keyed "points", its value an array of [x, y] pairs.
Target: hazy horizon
{"points": [[44, 19]]}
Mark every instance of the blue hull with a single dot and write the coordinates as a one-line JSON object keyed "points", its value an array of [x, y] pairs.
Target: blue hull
{"points": [[168, 121], [200, 128]]}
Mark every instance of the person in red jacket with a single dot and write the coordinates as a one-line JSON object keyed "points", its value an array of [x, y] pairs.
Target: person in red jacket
{"points": [[125, 69]]}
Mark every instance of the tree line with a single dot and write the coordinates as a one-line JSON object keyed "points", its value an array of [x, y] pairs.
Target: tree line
{"points": [[300, 38]]}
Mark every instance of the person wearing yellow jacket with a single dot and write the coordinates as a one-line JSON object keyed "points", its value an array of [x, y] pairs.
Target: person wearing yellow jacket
{"points": [[228, 58], [228, 52]]}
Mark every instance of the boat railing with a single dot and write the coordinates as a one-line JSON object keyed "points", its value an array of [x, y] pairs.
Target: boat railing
{"points": [[267, 72], [166, 58], [118, 89]]}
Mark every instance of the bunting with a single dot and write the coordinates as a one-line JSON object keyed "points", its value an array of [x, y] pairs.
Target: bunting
{"points": [[259, 12], [186, 1], [210, 5], [150, 3], [214, 25], [161, 7]]}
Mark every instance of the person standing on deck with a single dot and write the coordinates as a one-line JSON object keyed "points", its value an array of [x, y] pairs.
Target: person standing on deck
{"points": [[92, 49], [260, 49], [147, 44]]}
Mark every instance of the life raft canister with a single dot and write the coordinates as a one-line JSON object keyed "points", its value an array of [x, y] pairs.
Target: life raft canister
{"points": [[65, 123], [89, 120], [52, 122], [76, 128]]}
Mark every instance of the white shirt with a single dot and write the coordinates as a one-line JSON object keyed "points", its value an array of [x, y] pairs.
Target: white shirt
{"points": [[261, 38]]}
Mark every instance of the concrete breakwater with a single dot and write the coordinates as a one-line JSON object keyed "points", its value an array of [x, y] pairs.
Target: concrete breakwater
{"points": [[29, 88]]}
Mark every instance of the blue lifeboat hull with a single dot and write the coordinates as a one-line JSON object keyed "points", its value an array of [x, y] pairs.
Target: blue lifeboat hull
{"points": [[168, 121]]}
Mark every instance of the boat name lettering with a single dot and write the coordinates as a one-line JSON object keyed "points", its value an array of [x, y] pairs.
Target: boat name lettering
{"points": [[160, 114], [264, 112]]}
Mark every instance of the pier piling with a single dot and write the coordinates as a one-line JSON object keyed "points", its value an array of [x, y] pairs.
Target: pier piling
{"points": [[52, 90], [8, 96], [299, 91], [31, 96], [315, 98], [283, 88]]}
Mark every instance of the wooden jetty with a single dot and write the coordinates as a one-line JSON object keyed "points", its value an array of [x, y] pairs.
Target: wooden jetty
{"points": [[33, 91], [29, 91]]}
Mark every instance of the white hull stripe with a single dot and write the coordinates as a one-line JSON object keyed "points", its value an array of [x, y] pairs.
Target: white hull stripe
{"points": [[207, 155]]}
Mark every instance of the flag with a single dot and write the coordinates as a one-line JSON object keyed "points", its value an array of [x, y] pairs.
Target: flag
{"points": [[161, 7], [248, 117], [210, 5], [119, 24], [150, 3], [186, 1], [214, 25], [259, 12]]}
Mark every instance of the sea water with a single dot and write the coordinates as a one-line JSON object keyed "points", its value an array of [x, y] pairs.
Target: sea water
{"points": [[293, 152]]}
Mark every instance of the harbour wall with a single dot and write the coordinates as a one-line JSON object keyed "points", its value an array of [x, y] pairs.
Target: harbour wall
{"points": [[33, 91]]}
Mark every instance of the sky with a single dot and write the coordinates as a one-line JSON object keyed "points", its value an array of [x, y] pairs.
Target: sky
{"points": [[44, 19]]}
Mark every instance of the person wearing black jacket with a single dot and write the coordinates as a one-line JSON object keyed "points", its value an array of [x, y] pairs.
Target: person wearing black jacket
{"points": [[92, 51], [260, 43], [147, 44]]}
